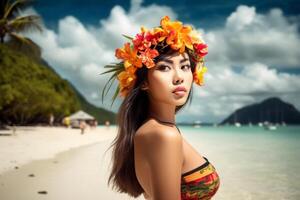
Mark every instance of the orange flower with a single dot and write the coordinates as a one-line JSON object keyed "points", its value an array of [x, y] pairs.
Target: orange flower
{"points": [[179, 36], [166, 24], [186, 38], [173, 29], [159, 34], [126, 80], [147, 57], [129, 56], [199, 75]]}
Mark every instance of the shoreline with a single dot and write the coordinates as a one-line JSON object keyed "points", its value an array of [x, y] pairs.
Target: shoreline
{"points": [[38, 143], [75, 174]]}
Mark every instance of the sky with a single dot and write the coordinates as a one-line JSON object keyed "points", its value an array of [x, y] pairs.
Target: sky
{"points": [[253, 47]]}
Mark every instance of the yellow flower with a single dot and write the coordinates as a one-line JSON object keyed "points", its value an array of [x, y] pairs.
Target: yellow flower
{"points": [[199, 75], [126, 80]]}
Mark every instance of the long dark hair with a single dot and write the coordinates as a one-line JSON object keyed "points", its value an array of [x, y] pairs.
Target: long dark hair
{"points": [[131, 115]]}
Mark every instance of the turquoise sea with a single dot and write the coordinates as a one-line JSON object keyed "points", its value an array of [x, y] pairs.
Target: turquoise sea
{"points": [[253, 163]]}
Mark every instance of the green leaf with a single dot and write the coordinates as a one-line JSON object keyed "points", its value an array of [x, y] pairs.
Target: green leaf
{"points": [[121, 66], [110, 66], [103, 91], [115, 96], [112, 78], [128, 37], [111, 70]]}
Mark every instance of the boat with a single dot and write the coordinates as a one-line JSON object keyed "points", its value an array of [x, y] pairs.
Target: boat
{"points": [[269, 126], [237, 124]]}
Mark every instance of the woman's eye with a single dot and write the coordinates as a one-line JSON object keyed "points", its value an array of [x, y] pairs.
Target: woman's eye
{"points": [[187, 67], [163, 67]]}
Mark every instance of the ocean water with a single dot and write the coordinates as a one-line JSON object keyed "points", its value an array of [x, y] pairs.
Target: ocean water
{"points": [[253, 163]]}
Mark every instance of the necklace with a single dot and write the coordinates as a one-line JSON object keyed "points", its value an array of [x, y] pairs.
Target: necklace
{"points": [[166, 123], [163, 121]]}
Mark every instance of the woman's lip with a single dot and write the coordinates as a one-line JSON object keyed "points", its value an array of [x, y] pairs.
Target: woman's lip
{"points": [[180, 93]]}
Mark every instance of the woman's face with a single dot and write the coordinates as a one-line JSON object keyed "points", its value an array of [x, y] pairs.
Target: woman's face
{"points": [[170, 72]]}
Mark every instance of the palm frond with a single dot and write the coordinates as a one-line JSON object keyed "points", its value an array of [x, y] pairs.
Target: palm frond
{"points": [[10, 8], [3, 6], [25, 23]]}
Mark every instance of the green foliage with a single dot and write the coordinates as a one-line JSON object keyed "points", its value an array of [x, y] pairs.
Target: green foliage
{"points": [[30, 91]]}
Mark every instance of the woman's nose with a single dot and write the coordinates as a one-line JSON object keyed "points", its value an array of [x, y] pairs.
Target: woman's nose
{"points": [[178, 77]]}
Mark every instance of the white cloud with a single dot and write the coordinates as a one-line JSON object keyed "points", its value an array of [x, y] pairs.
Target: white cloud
{"points": [[243, 17], [255, 43], [249, 37]]}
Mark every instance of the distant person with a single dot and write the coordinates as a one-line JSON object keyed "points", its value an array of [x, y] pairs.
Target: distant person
{"points": [[107, 123], [92, 124], [51, 119], [95, 123], [156, 73], [66, 122], [82, 126], [14, 129]]}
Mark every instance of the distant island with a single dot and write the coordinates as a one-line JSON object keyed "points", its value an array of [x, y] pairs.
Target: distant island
{"points": [[272, 110]]}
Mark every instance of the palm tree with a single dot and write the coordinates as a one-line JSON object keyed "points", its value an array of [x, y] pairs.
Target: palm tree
{"points": [[11, 23]]}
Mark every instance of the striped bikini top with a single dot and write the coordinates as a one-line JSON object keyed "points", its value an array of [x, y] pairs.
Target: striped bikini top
{"points": [[200, 183]]}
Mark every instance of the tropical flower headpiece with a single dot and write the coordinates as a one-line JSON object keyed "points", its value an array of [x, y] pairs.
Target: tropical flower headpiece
{"points": [[144, 49]]}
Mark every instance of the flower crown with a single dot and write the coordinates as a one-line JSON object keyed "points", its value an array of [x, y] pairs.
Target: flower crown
{"points": [[144, 49]]}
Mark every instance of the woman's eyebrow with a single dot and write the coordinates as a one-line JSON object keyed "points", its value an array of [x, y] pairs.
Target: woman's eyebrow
{"points": [[183, 60], [171, 61]]}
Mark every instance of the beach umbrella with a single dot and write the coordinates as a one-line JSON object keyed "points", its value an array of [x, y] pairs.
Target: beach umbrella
{"points": [[81, 115]]}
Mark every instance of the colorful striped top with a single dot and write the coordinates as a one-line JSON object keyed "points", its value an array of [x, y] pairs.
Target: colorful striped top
{"points": [[200, 183]]}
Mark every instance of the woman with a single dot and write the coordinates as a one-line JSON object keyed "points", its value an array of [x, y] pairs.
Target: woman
{"points": [[150, 156]]}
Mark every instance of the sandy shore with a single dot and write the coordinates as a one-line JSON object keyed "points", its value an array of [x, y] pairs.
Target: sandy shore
{"points": [[77, 174], [34, 143], [57, 163]]}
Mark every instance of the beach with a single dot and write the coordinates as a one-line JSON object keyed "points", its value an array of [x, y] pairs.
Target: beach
{"points": [[58, 163], [34, 143]]}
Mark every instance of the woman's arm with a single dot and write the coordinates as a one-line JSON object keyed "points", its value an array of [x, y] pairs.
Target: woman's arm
{"points": [[164, 154]]}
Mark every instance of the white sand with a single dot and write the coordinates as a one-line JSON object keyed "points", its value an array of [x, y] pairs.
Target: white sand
{"points": [[80, 173], [35, 143]]}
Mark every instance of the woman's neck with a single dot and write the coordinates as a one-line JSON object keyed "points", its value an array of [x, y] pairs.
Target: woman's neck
{"points": [[162, 112]]}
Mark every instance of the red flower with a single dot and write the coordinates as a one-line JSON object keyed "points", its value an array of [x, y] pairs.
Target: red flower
{"points": [[144, 40], [200, 49]]}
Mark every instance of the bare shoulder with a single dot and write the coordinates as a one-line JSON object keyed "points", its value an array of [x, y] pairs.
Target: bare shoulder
{"points": [[153, 133], [155, 137]]}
